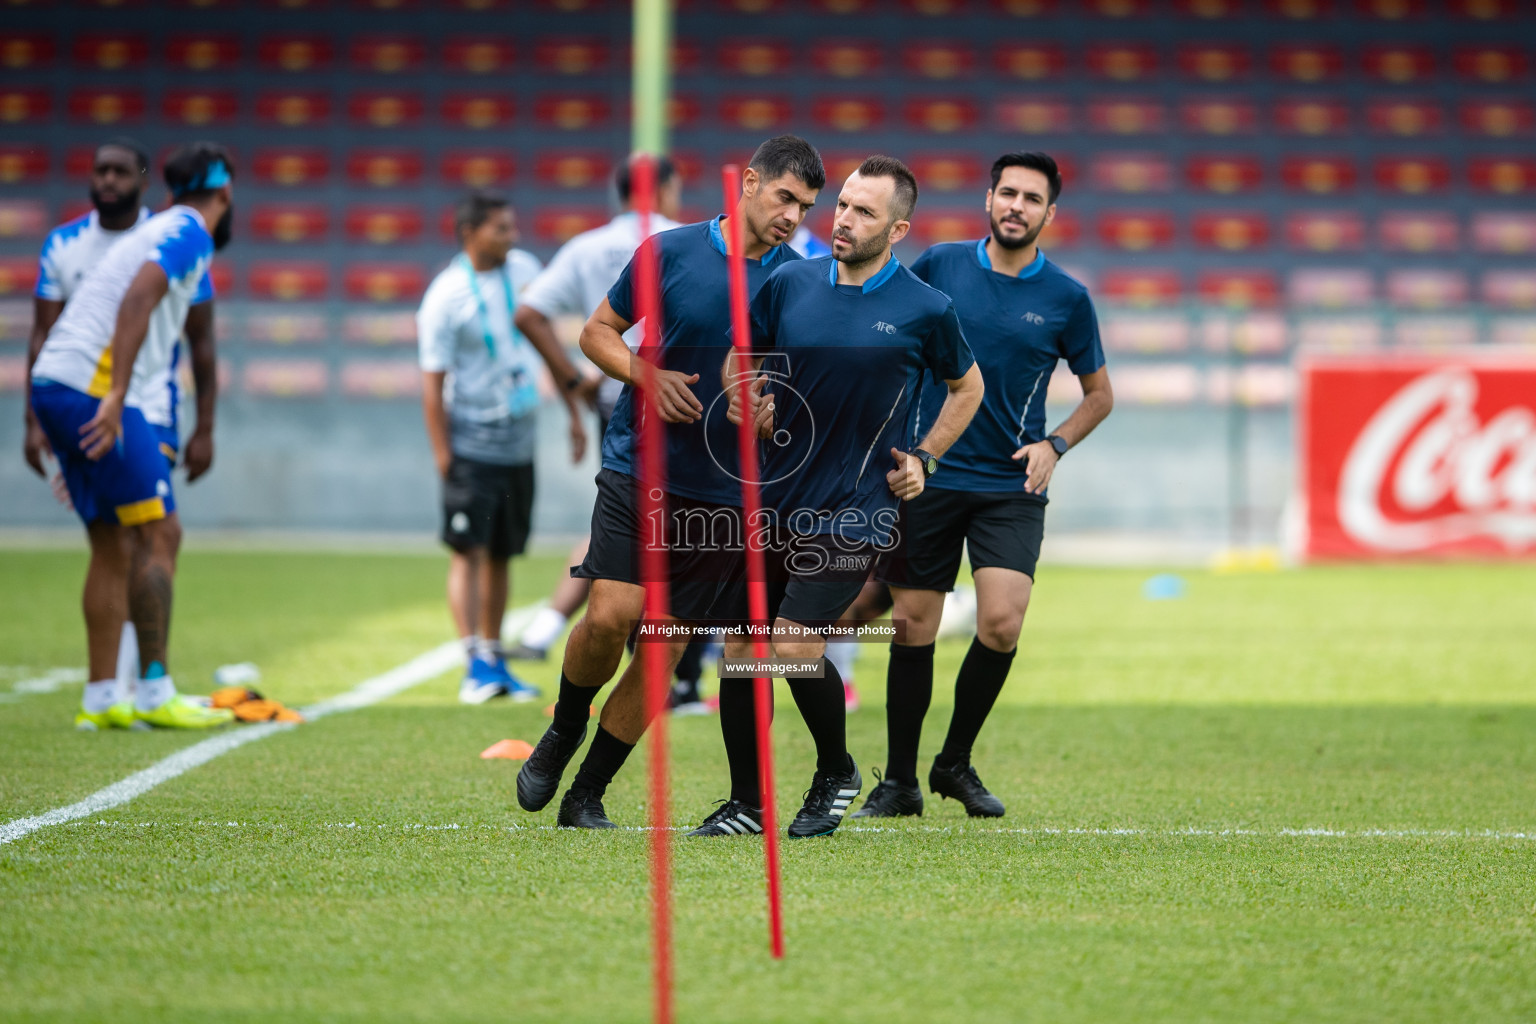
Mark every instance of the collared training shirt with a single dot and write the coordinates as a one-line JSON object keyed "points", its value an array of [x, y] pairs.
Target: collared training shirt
{"points": [[70, 251], [577, 280], [847, 365], [1018, 328], [488, 420], [695, 323], [78, 350]]}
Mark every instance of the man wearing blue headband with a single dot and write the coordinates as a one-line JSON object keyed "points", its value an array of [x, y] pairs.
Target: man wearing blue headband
{"points": [[102, 362]]}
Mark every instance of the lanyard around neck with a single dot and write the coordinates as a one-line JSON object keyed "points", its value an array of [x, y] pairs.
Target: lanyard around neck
{"points": [[485, 316]]}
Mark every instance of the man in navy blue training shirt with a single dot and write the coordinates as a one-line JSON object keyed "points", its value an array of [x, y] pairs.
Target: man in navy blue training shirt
{"points": [[847, 342], [1021, 314], [702, 489]]}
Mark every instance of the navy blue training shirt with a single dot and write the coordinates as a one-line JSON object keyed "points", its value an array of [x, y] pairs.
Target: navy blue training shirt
{"points": [[702, 461], [1018, 327], [847, 365]]}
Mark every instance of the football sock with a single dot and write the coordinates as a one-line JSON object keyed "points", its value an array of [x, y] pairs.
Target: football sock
{"points": [[154, 689], [574, 705], [981, 679], [843, 655], [738, 727], [908, 692], [605, 757], [100, 695], [471, 646], [691, 666], [128, 658], [489, 649], [545, 629], [821, 705]]}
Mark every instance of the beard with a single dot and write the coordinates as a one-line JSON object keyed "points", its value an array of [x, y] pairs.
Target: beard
{"points": [[222, 230], [861, 253], [125, 203], [1017, 242]]}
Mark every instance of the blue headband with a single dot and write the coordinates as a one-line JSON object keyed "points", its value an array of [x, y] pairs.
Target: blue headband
{"points": [[216, 176]]}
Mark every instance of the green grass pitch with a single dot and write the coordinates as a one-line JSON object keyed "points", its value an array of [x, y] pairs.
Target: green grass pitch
{"points": [[1304, 796]]}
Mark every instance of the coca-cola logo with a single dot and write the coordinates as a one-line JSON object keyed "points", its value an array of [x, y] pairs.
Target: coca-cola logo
{"points": [[1426, 471]]}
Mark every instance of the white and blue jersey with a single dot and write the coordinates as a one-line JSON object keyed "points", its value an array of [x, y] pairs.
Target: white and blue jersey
{"points": [[847, 364], [77, 352], [1018, 327], [702, 457], [70, 252]]}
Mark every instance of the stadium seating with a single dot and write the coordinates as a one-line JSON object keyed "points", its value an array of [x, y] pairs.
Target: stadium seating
{"points": [[1351, 165]]}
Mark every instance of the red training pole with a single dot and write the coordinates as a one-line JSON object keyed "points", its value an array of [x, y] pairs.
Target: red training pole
{"points": [[654, 565], [757, 590]]}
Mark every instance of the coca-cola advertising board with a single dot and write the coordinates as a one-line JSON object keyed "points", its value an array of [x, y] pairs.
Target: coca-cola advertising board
{"points": [[1418, 456]]}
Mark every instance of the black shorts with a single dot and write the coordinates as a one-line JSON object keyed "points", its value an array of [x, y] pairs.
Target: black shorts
{"points": [[487, 506], [1001, 530], [703, 544], [810, 580]]}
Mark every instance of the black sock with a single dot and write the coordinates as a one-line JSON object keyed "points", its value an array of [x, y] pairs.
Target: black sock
{"points": [[908, 692], [821, 704], [691, 665], [574, 705], [605, 757], [981, 679], [738, 727]]}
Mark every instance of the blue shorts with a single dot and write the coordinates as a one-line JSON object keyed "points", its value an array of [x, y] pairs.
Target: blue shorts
{"points": [[169, 441], [129, 485]]}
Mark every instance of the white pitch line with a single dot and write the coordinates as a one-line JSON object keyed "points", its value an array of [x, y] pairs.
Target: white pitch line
{"points": [[370, 691]]}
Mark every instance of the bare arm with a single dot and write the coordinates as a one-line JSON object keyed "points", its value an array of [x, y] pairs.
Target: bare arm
{"points": [[573, 387], [45, 312], [149, 286], [602, 341], [732, 367], [435, 412], [205, 381], [907, 479], [1040, 458]]}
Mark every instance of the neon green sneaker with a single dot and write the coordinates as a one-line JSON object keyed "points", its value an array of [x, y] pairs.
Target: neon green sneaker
{"points": [[180, 713], [118, 716]]}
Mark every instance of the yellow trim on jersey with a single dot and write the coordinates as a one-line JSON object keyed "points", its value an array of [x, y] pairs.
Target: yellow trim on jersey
{"points": [[168, 452], [140, 512], [101, 383]]}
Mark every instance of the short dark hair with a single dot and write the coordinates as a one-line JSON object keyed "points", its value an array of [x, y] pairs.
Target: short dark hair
{"points": [[475, 209], [198, 169], [789, 154], [1042, 162], [904, 199], [624, 175], [133, 146]]}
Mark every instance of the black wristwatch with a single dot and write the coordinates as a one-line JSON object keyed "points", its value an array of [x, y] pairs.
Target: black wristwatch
{"points": [[1059, 443], [930, 462]]}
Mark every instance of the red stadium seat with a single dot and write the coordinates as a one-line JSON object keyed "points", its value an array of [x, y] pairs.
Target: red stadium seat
{"points": [[18, 275], [384, 168], [573, 169], [1241, 289], [683, 111], [940, 116], [200, 106], [478, 168], [1224, 174], [845, 6], [1141, 287], [385, 282], [478, 55], [1126, 116], [383, 225], [1419, 232], [846, 59], [385, 55], [379, 328], [1230, 231], [203, 52], [1035, 115], [1130, 173], [1064, 231], [1504, 233], [1325, 231], [755, 113], [1398, 65], [478, 111], [1308, 64], [1319, 175], [565, 6], [558, 226], [1427, 289], [1498, 119], [1218, 117], [23, 162], [946, 172], [23, 218], [1391, 10], [939, 61], [1411, 175], [1117, 8], [22, 51], [291, 167], [1299, 10], [106, 106], [283, 325], [295, 53], [1506, 176], [1509, 289], [841, 164], [1492, 65], [574, 56], [849, 113], [1332, 287], [290, 222], [1485, 10], [1136, 231], [385, 109], [285, 378], [222, 277], [1122, 62], [1210, 10], [1158, 383], [1211, 62], [1312, 117], [755, 58], [572, 113], [1147, 333], [935, 8], [934, 226], [397, 378], [1405, 118], [1032, 62], [110, 51], [749, 6], [289, 280], [293, 108]]}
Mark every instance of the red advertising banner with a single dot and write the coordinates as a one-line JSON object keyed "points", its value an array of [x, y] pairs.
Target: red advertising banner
{"points": [[1418, 456]]}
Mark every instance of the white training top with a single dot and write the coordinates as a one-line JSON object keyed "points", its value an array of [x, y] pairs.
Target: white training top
{"points": [[78, 351], [578, 278], [72, 250]]}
